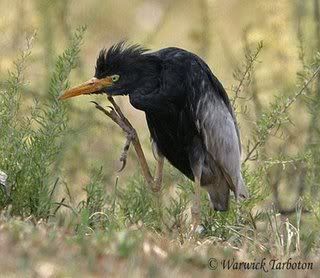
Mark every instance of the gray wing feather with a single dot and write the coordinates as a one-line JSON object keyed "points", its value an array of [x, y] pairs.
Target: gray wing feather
{"points": [[214, 88], [217, 125], [219, 134]]}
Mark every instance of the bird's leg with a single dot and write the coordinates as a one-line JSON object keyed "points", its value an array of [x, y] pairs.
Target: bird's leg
{"points": [[158, 174], [159, 168], [143, 162], [117, 116], [196, 158], [195, 210]]}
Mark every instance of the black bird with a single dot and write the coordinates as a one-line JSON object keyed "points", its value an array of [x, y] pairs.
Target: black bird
{"points": [[188, 112]]}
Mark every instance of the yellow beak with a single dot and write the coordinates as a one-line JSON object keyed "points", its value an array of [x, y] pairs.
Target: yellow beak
{"points": [[91, 86]]}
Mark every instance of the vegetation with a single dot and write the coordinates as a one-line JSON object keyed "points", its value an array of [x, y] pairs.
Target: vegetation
{"points": [[58, 220]]}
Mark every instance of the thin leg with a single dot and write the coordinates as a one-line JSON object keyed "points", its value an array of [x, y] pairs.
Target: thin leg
{"points": [[158, 174], [159, 168], [196, 209], [196, 158]]}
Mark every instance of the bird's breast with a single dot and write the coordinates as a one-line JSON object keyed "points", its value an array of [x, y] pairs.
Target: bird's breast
{"points": [[173, 135]]}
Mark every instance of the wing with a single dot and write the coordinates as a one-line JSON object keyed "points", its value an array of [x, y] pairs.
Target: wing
{"points": [[214, 87], [216, 123]]}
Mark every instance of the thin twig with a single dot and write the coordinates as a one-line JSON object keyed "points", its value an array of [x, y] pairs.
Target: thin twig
{"points": [[54, 188], [254, 88], [251, 59], [283, 110], [65, 205]]}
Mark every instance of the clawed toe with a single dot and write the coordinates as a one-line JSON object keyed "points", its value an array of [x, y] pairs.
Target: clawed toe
{"points": [[117, 116]]}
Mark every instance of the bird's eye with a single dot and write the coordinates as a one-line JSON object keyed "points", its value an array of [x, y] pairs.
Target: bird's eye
{"points": [[115, 77]]}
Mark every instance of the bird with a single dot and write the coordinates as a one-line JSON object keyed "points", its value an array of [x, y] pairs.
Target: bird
{"points": [[190, 118]]}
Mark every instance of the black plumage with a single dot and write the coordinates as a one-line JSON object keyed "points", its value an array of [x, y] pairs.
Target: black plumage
{"points": [[188, 113]]}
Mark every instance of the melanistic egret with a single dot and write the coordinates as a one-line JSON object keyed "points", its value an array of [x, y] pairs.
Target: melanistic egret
{"points": [[191, 121]]}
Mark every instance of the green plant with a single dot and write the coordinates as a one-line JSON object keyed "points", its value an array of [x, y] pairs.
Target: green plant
{"points": [[30, 144]]}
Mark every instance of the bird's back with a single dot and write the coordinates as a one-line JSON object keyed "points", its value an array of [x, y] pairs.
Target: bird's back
{"points": [[205, 75]]}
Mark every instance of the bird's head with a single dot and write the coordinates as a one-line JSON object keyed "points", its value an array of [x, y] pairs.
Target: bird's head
{"points": [[121, 70]]}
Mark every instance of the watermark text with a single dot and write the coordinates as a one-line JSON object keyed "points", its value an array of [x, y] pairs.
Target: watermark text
{"points": [[263, 264]]}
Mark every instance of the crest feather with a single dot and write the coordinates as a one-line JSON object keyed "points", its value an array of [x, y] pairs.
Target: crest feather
{"points": [[118, 55]]}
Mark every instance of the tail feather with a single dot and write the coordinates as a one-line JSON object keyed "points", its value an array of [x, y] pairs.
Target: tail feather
{"points": [[241, 190], [219, 196]]}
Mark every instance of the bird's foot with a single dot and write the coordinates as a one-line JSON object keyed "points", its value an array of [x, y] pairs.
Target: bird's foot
{"points": [[197, 229], [123, 157], [195, 218], [116, 115], [156, 187]]}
